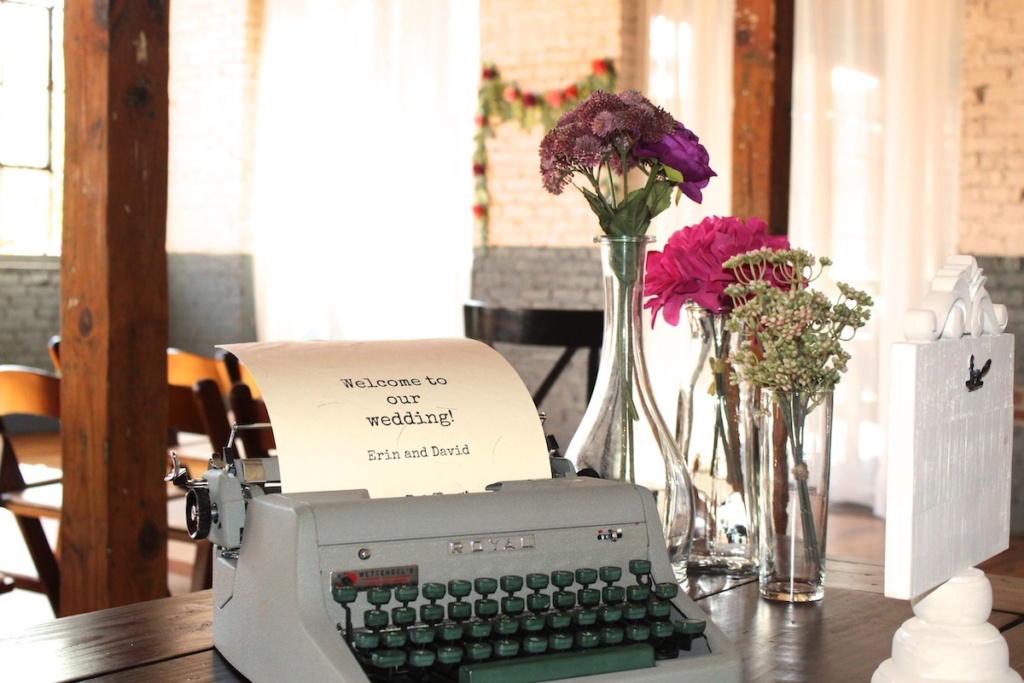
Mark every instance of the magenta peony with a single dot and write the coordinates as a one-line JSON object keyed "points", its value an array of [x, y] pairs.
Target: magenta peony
{"points": [[690, 268]]}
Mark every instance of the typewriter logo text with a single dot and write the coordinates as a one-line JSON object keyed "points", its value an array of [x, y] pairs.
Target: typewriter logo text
{"points": [[496, 544]]}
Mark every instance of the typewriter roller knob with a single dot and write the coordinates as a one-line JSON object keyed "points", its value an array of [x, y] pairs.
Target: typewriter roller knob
{"points": [[198, 512]]}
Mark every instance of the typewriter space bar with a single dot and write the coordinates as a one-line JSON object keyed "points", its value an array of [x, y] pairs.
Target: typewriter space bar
{"points": [[553, 667]]}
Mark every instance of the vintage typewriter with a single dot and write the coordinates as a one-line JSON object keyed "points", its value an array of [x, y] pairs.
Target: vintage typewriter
{"points": [[560, 579]]}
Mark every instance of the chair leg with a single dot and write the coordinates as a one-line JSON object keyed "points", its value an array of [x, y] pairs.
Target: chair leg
{"points": [[43, 558], [202, 570]]}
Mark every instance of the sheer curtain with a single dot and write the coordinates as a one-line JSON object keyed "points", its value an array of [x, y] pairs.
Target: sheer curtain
{"points": [[689, 73], [876, 128], [361, 227], [874, 185]]}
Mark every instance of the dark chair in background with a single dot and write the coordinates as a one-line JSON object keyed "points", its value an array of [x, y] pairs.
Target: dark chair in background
{"points": [[571, 329], [248, 409], [35, 393]]}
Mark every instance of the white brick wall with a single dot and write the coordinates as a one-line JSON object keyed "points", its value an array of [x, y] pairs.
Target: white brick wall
{"points": [[992, 143]]}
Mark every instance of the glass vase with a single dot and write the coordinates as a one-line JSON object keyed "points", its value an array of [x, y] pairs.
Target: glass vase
{"points": [[715, 434], [622, 435], [796, 438]]}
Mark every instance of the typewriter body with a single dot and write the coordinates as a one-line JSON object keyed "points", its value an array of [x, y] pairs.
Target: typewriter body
{"points": [[559, 579]]}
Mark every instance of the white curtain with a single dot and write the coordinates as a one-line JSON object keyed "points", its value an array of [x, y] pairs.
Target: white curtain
{"points": [[361, 216], [874, 185], [689, 73]]}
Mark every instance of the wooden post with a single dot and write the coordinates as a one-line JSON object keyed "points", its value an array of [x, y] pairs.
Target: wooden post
{"points": [[762, 85], [113, 530]]}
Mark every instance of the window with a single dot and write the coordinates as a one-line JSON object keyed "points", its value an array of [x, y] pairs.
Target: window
{"points": [[31, 126]]}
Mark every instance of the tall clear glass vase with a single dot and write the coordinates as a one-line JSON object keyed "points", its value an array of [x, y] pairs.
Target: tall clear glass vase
{"points": [[622, 435], [715, 433]]}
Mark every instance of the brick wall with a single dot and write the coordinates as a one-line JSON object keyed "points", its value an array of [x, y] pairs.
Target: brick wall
{"points": [[29, 309], [212, 90], [992, 143]]}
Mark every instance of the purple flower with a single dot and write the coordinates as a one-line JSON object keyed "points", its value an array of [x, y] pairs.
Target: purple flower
{"points": [[682, 152], [690, 268], [601, 139]]}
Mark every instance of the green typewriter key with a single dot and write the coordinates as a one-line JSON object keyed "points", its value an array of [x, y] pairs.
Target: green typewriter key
{"points": [[609, 614], [612, 635], [479, 629], [513, 605], [393, 639], [538, 602], [421, 659], [634, 611], [666, 591], [505, 625], [403, 616], [432, 614], [407, 593], [692, 627], [661, 628], [687, 630], [587, 639], [535, 645], [459, 588], [506, 647], [638, 632], [485, 585], [638, 592], [433, 591], [559, 642], [561, 578], [536, 581], [639, 568], [375, 619], [610, 574], [364, 639], [459, 611], [586, 576], [531, 623], [344, 594], [421, 635], [478, 651], [559, 620], [449, 654], [450, 632], [387, 659], [613, 595], [563, 600], [658, 610], [378, 595], [510, 583], [485, 607], [586, 617]]}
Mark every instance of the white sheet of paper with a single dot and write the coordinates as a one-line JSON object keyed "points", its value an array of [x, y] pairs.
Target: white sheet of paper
{"points": [[396, 417]]}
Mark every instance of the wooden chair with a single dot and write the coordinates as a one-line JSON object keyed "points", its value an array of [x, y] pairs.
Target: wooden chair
{"points": [[185, 368], [249, 410], [30, 392], [572, 329]]}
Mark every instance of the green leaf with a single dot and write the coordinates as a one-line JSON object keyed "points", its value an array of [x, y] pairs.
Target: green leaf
{"points": [[605, 215], [632, 217], [660, 198], [672, 174]]}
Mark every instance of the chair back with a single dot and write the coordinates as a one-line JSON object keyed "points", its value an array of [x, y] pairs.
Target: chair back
{"points": [[572, 329], [185, 368], [248, 410], [23, 391], [29, 391]]}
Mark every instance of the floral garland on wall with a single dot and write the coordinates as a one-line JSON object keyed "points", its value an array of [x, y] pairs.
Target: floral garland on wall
{"points": [[499, 101]]}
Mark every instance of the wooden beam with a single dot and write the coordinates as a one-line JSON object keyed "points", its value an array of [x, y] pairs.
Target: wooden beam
{"points": [[763, 84], [113, 532]]}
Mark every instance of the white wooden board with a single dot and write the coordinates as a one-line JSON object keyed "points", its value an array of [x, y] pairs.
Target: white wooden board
{"points": [[950, 450]]}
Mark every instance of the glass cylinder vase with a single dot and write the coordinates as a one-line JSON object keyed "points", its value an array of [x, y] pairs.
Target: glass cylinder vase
{"points": [[715, 434], [622, 435], [796, 440]]}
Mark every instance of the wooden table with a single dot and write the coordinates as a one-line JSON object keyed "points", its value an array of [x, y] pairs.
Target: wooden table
{"points": [[842, 638]]}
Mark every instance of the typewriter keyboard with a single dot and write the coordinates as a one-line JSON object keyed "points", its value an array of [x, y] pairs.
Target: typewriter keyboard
{"points": [[511, 629]]}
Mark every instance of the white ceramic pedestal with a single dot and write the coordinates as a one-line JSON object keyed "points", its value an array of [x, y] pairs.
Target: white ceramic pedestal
{"points": [[950, 640]]}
